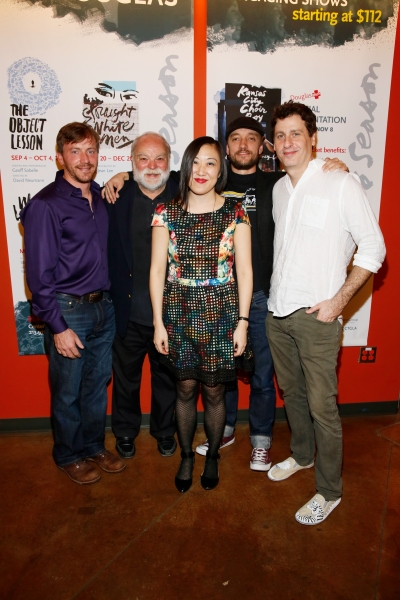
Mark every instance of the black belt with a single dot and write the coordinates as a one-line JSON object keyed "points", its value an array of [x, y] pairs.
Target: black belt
{"points": [[92, 297]]}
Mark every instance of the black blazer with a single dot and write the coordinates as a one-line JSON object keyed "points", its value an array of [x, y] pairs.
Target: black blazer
{"points": [[265, 224], [120, 259]]}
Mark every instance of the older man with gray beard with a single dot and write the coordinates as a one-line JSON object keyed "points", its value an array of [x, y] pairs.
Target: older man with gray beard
{"points": [[129, 253]]}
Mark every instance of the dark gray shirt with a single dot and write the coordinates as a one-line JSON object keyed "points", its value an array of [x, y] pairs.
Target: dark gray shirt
{"points": [[141, 231], [246, 184]]}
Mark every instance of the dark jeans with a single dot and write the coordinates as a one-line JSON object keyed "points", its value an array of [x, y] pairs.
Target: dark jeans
{"points": [[262, 389], [79, 386], [305, 356], [128, 356]]}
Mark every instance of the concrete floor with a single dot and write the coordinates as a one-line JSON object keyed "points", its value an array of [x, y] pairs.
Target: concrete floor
{"points": [[132, 536]]}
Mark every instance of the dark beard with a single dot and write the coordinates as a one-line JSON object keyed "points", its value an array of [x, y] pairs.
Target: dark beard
{"points": [[244, 166], [79, 179]]}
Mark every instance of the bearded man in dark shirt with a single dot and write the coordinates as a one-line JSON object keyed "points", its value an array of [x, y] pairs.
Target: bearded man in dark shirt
{"points": [[244, 147], [129, 253]]}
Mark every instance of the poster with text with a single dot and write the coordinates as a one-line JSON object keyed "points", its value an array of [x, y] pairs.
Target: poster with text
{"points": [[333, 55], [124, 67]]}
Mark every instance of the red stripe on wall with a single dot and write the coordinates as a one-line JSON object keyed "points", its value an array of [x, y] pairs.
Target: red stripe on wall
{"points": [[200, 66]]}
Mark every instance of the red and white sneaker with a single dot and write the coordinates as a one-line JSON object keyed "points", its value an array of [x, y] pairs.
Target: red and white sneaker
{"points": [[227, 440], [260, 460]]}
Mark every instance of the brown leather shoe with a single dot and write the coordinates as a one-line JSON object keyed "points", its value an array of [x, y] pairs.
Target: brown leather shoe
{"points": [[81, 472], [108, 462]]}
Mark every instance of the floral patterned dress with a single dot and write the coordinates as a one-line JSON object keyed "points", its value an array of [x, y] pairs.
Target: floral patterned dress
{"points": [[200, 302]]}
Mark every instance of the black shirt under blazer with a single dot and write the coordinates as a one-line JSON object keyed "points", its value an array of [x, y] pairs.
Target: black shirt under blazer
{"points": [[120, 259]]}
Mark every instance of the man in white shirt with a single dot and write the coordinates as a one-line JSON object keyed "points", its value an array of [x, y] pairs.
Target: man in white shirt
{"points": [[319, 220]]}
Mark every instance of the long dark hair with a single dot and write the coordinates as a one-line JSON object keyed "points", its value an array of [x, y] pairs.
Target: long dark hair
{"points": [[187, 164]]}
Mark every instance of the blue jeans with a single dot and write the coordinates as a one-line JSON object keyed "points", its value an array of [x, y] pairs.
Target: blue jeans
{"points": [[262, 389], [79, 386]]}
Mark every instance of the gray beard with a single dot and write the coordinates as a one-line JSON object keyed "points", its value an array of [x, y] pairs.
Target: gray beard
{"points": [[139, 177]]}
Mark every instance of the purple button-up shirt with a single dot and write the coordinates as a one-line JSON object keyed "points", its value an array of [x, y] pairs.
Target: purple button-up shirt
{"points": [[65, 247]]}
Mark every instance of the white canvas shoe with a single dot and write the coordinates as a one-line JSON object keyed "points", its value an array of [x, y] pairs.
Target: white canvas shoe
{"points": [[316, 510], [285, 469]]}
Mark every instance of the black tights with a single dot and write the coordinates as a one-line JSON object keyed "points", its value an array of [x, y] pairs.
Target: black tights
{"points": [[186, 419]]}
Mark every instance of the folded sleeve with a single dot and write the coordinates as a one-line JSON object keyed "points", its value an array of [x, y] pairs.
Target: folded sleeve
{"points": [[360, 222]]}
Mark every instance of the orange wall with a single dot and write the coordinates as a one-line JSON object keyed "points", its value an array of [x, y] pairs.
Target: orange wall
{"points": [[24, 383]]}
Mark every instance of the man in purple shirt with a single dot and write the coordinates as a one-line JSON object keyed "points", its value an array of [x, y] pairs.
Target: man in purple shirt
{"points": [[66, 227]]}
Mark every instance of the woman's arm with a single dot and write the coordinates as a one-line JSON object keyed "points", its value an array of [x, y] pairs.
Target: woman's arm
{"points": [[159, 254], [244, 274]]}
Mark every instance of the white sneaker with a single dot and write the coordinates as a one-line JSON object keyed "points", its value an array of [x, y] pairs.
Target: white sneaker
{"points": [[260, 460], [285, 469], [227, 440], [316, 510]]}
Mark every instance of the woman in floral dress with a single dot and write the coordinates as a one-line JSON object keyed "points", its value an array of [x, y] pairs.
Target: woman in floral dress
{"points": [[200, 314]]}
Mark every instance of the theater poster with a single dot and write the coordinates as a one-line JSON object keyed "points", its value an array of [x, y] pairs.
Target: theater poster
{"points": [[333, 55], [122, 66]]}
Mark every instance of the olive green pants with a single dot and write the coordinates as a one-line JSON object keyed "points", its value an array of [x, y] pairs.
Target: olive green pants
{"points": [[305, 352]]}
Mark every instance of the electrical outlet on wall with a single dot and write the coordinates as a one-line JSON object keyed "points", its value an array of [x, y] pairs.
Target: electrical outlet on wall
{"points": [[367, 354]]}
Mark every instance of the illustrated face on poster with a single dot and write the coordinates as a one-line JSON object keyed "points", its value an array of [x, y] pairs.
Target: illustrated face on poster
{"points": [[123, 90], [111, 112]]}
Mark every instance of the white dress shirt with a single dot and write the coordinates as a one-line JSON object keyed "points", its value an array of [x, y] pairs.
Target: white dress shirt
{"points": [[318, 224]]}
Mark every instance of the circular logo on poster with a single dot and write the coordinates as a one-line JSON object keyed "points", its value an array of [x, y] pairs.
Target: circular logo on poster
{"points": [[33, 83]]}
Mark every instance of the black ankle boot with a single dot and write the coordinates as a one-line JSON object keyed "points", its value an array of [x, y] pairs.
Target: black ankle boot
{"points": [[209, 483], [183, 485]]}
